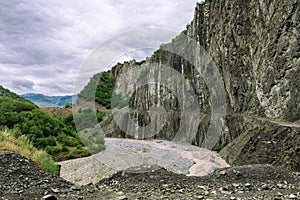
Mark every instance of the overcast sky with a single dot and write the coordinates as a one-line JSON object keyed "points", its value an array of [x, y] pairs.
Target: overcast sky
{"points": [[43, 44]]}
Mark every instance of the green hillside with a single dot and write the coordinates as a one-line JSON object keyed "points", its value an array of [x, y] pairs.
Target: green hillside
{"points": [[25, 120], [6, 93]]}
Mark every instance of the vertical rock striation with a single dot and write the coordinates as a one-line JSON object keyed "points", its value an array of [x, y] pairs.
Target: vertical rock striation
{"points": [[256, 47]]}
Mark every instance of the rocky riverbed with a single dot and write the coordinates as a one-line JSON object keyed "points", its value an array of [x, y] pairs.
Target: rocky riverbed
{"points": [[245, 182], [22, 179], [120, 154]]}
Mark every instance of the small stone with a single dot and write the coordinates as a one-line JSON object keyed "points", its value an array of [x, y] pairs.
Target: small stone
{"points": [[237, 173], [280, 186], [120, 193], [265, 187], [247, 185], [292, 196], [279, 194], [285, 186], [74, 188], [55, 190], [213, 192], [123, 198], [232, 198], [49, 197], [226, 192], [181, 190], [235, 185], [199, 197], [201, 187], [222, 173]]}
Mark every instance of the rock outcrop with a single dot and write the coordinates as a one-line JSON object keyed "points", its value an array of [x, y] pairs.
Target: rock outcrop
{"points": [[255, 46]]}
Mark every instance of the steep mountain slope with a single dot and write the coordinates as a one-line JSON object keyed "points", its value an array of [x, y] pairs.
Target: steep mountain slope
{"points": [[30, 124], [255, 46], [49, 101], [6, 93]]}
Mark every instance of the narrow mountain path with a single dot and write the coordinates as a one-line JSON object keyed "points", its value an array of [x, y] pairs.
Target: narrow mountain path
{"points": [[273, 121]]}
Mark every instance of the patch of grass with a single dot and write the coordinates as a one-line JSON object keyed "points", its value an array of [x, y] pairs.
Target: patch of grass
{"points": [[46, 162], [292, 134], [23, 147]]}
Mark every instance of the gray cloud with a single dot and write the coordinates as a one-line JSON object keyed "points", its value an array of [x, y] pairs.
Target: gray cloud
{"points": [[22, 84], [46, 42]]}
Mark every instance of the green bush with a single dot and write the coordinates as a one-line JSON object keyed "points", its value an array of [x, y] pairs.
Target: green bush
{"points": [[25, 148], [46, 162], [94, 140], [41, 129], [100, 89], [87, 118], [44, 142]]}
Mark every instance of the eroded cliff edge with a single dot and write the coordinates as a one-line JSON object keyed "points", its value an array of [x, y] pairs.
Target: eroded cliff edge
{"points": [[255, 45]]}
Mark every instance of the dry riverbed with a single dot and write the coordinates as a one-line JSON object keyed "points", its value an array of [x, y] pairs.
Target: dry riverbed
{"points": [[121, 154]]}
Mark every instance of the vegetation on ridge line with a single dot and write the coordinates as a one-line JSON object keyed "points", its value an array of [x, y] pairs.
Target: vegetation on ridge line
{"points": [[101, 90], [23, 147]]}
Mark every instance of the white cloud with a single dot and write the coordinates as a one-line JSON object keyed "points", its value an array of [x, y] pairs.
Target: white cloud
{"points": [[46, 42]]}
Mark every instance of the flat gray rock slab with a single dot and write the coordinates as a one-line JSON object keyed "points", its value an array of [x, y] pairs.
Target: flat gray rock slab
{"points": [[121, 154]]}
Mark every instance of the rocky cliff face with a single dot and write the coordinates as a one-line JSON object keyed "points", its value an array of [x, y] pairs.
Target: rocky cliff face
{"points": [[255, 46]]}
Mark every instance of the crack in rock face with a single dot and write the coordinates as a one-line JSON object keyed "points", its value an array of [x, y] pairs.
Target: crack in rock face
{"points": [[121, 154]]}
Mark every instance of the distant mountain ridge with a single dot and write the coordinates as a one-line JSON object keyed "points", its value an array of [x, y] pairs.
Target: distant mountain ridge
{"points": [[49, 101]]}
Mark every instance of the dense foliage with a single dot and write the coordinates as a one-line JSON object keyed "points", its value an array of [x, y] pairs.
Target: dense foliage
{"points": [[100, 89], [104, 90], [84, 122], [6, 93], [85, 118], [42, 130]]}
